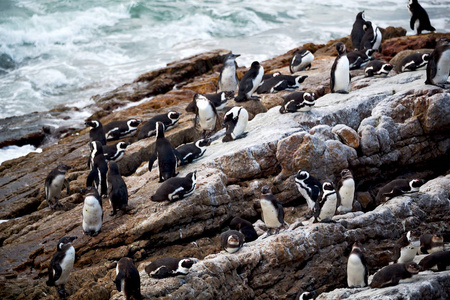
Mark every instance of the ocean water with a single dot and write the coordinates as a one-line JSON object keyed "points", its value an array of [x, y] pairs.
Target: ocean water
{"points": [[62, 52]]}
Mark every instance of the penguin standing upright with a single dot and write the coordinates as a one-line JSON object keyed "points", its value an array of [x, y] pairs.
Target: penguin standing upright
{"points": [[235, 122], [54, 183], [99, 168], [272, 211], [119, 129], [346, 187], [61, 265], [115, 152], [309, 187], [357, 268], [96, 133], [127, 279], [117, 189], [340, 72], [228, 79], [372, 37], [169, 120], [419, 17], [438, 67], [176, 188], [166, 154], [406, 247], [92, 212], [244, 227], [250, 82], [206, 113], [358, 30], [301, 61], [325, 208], [232, 240]]}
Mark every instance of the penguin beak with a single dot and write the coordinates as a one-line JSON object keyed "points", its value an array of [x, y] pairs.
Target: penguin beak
{"points": [[73, 238]]}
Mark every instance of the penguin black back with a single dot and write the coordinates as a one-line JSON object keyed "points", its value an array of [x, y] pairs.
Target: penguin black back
{"points": [[249, 82], [99, 168], [117, 189], [358, 30], [245, 227], [96, 133], [169, 266], [127, 279]]}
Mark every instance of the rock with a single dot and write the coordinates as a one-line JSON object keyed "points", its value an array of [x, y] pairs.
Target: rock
{"points": [[369, 140], [392, 32], [347, 135]]}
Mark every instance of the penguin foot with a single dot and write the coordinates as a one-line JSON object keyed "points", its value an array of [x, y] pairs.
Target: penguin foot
{"points": [[256, 98], [112, 213], [95, 233], [62, 293]]}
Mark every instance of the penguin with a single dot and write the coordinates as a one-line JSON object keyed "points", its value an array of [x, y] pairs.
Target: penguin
{"points": [[298, 101], [119, 129], [244, 227], [396, 188], [117, 189], [431, 243], [92, 212], [61, 265], [309, 187], [169, 120], [127, 279], [228, 79], [358, 30], [301, 61], [346, 188], [340, 72], [193, 151], [235, 121], [419, 17], [325, 208], [306, 295], [358, 59], [441, 260], [250, 82], [272, 211], [55, 182], [96, 133], [166, 154], [206, 114], [438, 67], [357, 268], [169, 266], [219, 100], [377, 68], [391, 274], [280, 83], [270, 75], [406, 247], [372, 37], [413, 62], [176, 188], [115, 152], [99, 168], [231, 240]]}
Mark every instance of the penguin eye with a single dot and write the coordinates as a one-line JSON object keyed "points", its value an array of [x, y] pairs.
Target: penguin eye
{"points": [[60, 245]]}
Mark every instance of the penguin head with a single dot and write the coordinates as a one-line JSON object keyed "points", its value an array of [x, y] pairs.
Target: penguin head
{"points": [[192, 176], [160, 129], [203, 142], [233, 240], [412, 267], [227, 95], [231, 57], [413, 236], [113, 168], [266, 190], [340, 47], [187, 263], [255, 65], [67, 240], [437, 238], [90, 190], [360, 16], [416, 183], [308, 96], [64, 168], [307, 295], [346, 173], [426, 57], [173, 115], [302, 175], [300, 79], [133, 122], [369, 52], [357, 245], [387, 67], [122, 145], [93, 123], [327, 186]]}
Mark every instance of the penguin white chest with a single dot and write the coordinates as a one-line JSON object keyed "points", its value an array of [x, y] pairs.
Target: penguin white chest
{"points": [[303, 189], [341, 75], [355, 271], [270, 214], [241, 124], [442, 68], [256, 81], [347, 192], [92, 214], [408, 253], [228, 80], [56, 185], [329, 207], [66, 266], [206, 116]]}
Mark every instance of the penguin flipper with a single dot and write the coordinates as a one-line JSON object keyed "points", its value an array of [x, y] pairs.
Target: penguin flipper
{"points": [[152, 160], [412, 21], [91, 177], [431, 70], [118, 280], [57, 272], [66, 184], [179, 156], [280, 214]]}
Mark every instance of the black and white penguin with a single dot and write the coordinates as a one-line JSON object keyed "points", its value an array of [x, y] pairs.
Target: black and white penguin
{"points": [[438, 67], [169, 120], [244, 227], [340, 72], [176, 188], [117, 189], [325, 208], [205, 114], [119, 129], [116, 151], [92, 212], [228, 79], [431, 243], [280, 83], [357, 268], [346, 188], [439, 260], [414, 62], [250, 82], [127, 279], [301, 61], [270, 75], [272, 211], [99, 168], [372, 37], [166, 154], [193, 151], [358, 59], [396, 188], [358, 30], [390, 275], [419, 17], [297, 101], [306, 295], [96, 133], [54, 184], [377, 68], [169, 266], [61, 265], [231, 240], [309, 187], [219, 100], [235, 121], [406, 247]]}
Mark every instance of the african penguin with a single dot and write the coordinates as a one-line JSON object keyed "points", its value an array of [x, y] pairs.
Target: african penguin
{"points": [[176, 188], [377, 68], [92, 212], [440, 260], [414, 62], [272, 211], [169, 266], [301, 61], [280, 83], [119, 129], [325, 208], [250, 82], [235, 121], [228, 79], [96, 133], [270, 75], [340, 72], [115, 152], [357, 268], [193, 151], [149, 128], [127, 279], [306, 295], [391, 274], [309, 187], [438, 67], [206, 114], [99, 168], [358, 59], [297, 101], [372, 37], [61, 265], [219, 100], [431, 243], [419, 17], [406, 247], [231, 240], [358, 30], [117, 189], [166, 154], [244, 227], [396, 188], [55, 182], [346, 188]]}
